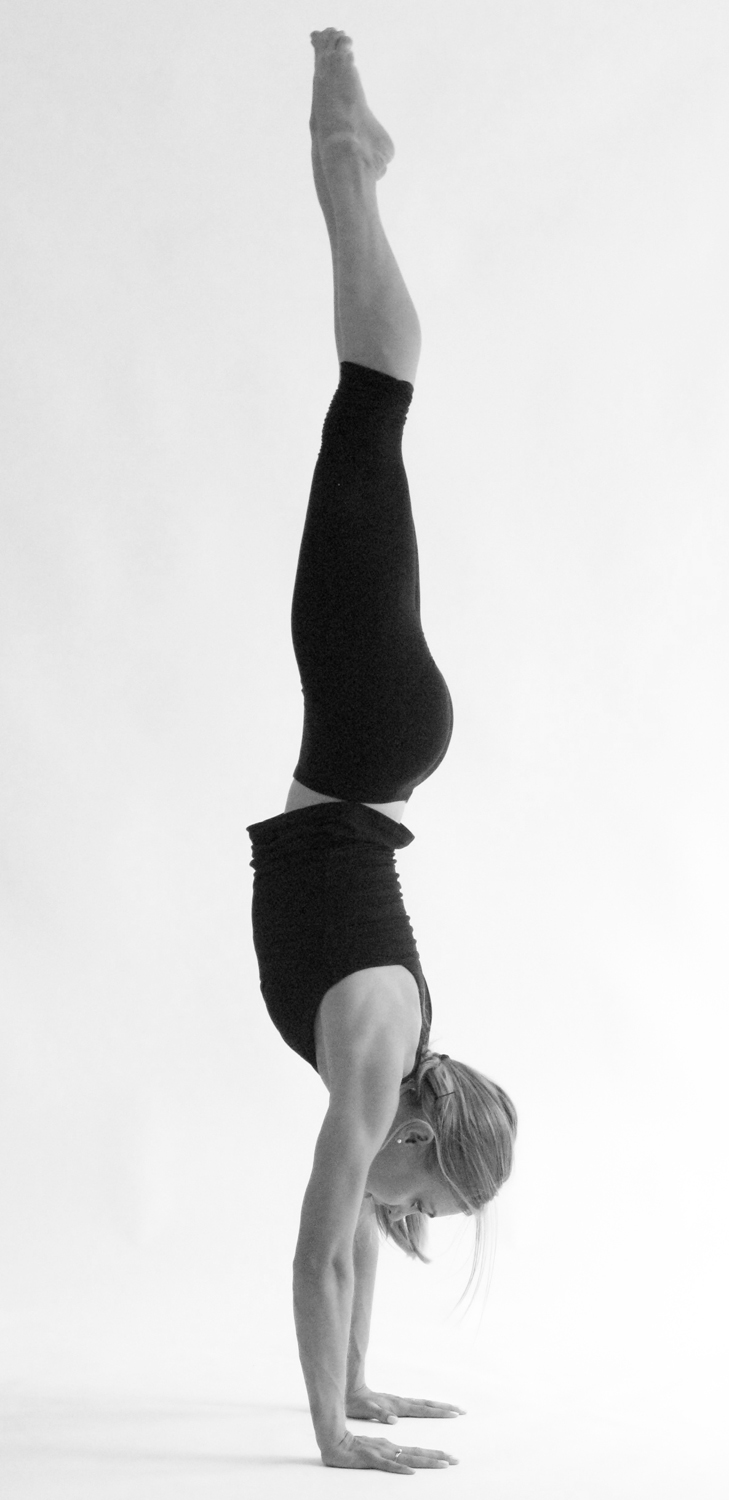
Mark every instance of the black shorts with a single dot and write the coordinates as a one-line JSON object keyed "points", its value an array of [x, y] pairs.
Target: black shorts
{"points": [[378, 716]]}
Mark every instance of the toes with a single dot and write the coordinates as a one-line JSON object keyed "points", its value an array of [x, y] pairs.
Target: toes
{"points": [[330, 39]]}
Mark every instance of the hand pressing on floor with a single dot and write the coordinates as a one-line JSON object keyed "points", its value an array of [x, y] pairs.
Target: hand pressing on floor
{"points": [[380, 1406], [377, 1453]]}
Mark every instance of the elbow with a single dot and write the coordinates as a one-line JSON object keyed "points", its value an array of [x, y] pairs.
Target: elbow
{"points": [[313, 1263]]}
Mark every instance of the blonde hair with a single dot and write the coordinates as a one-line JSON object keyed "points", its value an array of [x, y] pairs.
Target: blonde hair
{"points": [[474, 1129]]}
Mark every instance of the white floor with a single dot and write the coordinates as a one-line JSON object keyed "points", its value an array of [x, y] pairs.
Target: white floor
{"points": [[64, 1448]]}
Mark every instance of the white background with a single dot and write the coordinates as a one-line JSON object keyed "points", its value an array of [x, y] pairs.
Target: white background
{"points": [[558, 206]]}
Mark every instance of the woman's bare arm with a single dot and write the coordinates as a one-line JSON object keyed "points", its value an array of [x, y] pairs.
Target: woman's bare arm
{"points": [[322, 1314], [364, 1258], [364, 1094]]}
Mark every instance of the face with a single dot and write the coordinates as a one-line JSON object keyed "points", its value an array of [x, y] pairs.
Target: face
{"points": [[399, 1178]]}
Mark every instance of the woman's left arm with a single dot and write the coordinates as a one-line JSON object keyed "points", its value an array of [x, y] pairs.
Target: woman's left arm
{"points": [[360, 1401], [365, 1250]]}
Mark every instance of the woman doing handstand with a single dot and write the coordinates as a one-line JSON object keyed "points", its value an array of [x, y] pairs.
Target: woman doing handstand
{"points": [[408, 1133]]}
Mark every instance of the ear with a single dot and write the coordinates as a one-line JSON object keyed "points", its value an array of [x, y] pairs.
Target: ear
{"points": [[417, 1132]]}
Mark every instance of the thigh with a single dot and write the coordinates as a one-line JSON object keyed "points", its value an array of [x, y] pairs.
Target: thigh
{"points": [[357, 590], [377, 712]]}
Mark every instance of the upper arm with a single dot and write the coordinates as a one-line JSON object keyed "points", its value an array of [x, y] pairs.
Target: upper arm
{"points": [[365, 1091]]}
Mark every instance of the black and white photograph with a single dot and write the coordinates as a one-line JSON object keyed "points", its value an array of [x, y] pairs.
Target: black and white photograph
{"points": [[364, 734]]}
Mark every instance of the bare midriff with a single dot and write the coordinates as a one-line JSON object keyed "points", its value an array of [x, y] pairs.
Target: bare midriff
{"points": [[303, 796]]}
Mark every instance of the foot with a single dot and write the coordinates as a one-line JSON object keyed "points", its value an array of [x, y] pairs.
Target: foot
{"points": [[340, 111]]}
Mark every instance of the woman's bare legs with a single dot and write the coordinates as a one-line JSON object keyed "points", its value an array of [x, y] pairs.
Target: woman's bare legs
{"points": [[327, 208], [375, 321]]}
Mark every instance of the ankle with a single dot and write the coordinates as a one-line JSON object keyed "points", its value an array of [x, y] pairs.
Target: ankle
{"points": [[345, 153]]}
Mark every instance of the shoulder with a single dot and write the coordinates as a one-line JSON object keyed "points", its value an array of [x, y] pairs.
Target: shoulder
{"points": [[365, 1062], [371, 1008]]}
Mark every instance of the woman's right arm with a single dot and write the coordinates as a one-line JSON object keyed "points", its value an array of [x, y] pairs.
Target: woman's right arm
{"points": [[322, 1313], [365, 1089]]}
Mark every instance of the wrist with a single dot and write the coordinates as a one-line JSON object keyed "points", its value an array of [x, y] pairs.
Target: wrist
{"points": [[330, 1427], [328, 1441]]}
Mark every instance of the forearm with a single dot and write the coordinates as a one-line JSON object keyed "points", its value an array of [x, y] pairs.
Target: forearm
{"points": [[364, 1257], [322, 1314]]}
